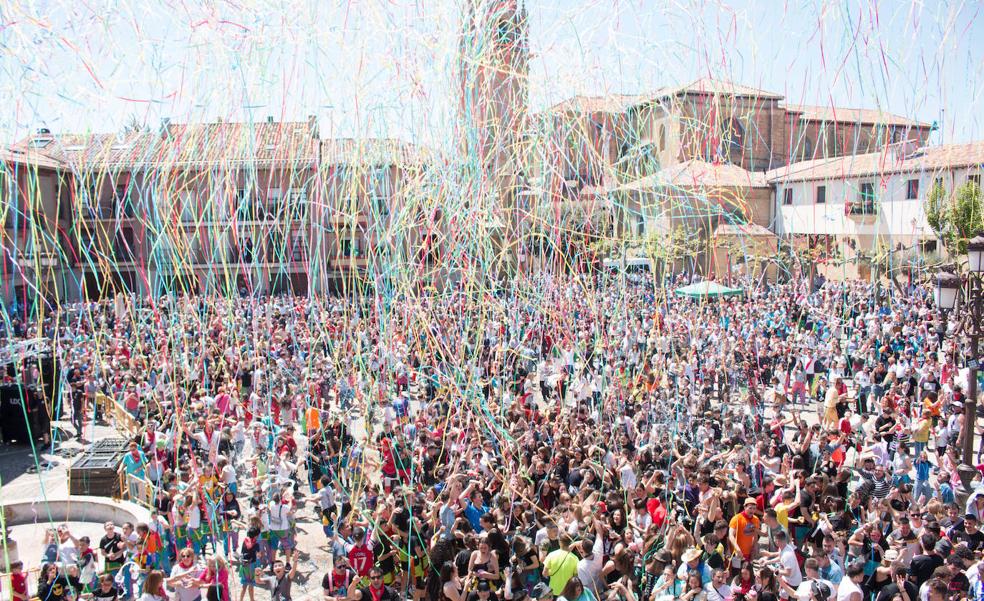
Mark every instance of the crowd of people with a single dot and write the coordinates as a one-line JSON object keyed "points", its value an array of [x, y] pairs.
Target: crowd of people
{"points": [[585, 440]]}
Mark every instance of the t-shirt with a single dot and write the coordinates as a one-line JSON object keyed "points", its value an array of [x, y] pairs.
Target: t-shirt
{"points": [[922, 567], [111, 595], [18, 582], [746, 532], [974, 541], [335, 583], [279, 587], [889, 591], [56, 591], [787, 558], [186, 593], [362, 558], [562, 566], [383, 594]]}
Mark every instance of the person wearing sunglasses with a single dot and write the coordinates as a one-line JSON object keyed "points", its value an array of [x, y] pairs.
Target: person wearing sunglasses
{"points": [[376, 591]]}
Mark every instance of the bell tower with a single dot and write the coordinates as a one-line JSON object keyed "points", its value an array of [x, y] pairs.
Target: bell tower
{"points": [[493, 108]]}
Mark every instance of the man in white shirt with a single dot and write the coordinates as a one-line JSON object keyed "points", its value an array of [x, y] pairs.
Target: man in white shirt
{"points": [[789, 566], [717, 589], [589, 567]]}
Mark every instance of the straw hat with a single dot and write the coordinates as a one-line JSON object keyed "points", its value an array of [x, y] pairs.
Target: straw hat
{"points": [[692, 554]]}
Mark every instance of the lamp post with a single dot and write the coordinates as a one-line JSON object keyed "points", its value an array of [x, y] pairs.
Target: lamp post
{"points": [[949, 290]]}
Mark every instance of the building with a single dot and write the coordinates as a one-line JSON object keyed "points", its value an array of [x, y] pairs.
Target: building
{"points": [[261, 207], [691, 157], [869, 208], [493, 114]]}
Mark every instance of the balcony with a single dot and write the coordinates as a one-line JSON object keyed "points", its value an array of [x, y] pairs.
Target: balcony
{"points": [[111, 210], [863, 209], [334, 223], [350, 263], [41, 259]]}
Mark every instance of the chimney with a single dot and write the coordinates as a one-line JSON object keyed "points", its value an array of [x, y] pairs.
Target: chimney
{"points": [[269, 118]]}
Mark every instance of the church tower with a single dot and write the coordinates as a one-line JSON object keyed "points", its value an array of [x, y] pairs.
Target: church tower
{"points": [[493, 108]]}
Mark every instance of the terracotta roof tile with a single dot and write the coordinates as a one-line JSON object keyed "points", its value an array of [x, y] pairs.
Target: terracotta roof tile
{"points": [[699, 174], [889, 161], [831, 114], [613, 103]]}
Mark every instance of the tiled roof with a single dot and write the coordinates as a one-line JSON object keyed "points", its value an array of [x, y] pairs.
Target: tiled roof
{"points": [[370, 151], [831, 114], [31, 159], [698, 174], [613, 103], [930, 158], [183, 145], [229, 143], [753, 230], [708, 85]]}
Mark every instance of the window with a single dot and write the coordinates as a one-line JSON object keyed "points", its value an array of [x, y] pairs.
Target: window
{"points": [[928, 246], [187, 204], [975, 178], [244, 207], [349, 247], [733, 135], [938, 183], [866, 200], [821, 194], [912, 189], [787, 196], [296, 196], [273, 203]]}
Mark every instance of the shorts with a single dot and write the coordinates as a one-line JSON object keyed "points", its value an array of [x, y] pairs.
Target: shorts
{"points": [[247, 573], [281, 539]]}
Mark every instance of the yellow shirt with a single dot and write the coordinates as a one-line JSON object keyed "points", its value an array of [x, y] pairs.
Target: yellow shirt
{"points": [[782, 515], [562, 566]]}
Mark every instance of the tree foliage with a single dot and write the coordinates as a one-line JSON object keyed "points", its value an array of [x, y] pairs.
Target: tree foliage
{"points": [[957, 218]]}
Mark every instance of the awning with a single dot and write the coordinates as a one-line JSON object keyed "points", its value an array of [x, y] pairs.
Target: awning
{"points": [[707, 290]]}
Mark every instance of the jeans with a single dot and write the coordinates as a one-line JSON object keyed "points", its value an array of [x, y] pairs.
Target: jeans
{"points": [[922, 488]]}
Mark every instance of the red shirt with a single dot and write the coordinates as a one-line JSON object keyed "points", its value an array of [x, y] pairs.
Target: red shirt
{"points": [[362, 559], [19, 583], [657, 511]]}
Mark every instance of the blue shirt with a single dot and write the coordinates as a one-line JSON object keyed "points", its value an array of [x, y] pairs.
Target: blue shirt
{"points": [[946, 494], [135, 465], [922, 470], [472, 514], [833, 573]]}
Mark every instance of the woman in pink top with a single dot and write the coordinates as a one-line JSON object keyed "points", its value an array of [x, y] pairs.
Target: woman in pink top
{"points": [[216, 578]]}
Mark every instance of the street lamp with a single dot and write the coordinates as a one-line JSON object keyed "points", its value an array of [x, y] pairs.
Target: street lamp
{"points": [[947, 296]]}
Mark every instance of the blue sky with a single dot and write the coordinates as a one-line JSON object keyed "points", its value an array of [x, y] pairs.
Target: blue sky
{"points": [[386, 67]]}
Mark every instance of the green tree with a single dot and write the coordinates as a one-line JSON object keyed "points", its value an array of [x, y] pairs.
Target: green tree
{"points": [[956, 219]]}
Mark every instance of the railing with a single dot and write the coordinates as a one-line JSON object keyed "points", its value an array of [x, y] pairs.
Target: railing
{"points": [[119, 415], [863, 207], [136, 490]]}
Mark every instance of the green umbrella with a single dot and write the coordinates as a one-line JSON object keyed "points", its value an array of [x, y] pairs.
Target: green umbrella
{"points": [[707, 290]]}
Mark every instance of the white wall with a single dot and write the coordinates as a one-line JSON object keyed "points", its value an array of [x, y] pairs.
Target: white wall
{"points": [[897, 217]]}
